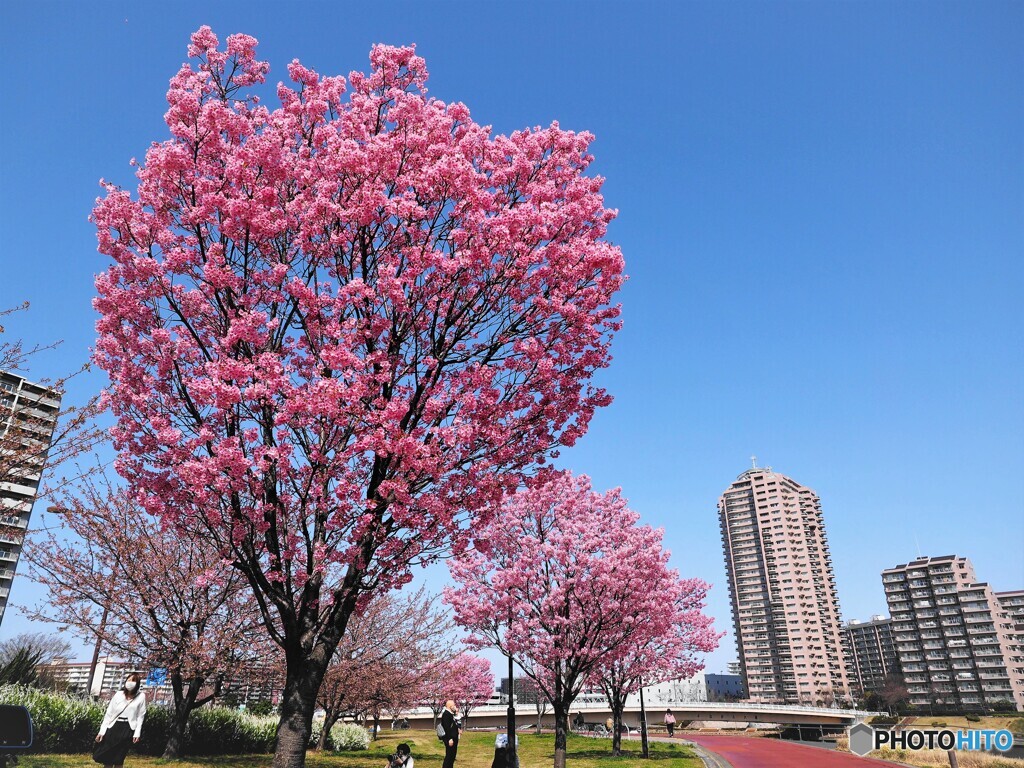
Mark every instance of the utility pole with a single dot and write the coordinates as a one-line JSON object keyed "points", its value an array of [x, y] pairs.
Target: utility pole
{"points": [[96, 651]]}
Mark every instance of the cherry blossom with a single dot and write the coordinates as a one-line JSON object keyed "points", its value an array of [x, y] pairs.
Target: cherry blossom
{"points": [[115, 574], [567, 582], [339, 330]]}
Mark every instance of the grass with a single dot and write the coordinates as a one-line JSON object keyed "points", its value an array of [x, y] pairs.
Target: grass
{"points": [[475, 751], [952, 721]]}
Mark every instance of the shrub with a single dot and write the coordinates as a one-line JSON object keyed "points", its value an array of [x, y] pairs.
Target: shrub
{"points": [[61, 723], [350, 737], [64, 724], [972, 718], [883, 720], [220, 731], [155, 730], [260, 708]]}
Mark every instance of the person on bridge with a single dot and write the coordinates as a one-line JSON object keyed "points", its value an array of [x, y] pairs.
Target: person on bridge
{"points": [[670, 722], [450, 725]]}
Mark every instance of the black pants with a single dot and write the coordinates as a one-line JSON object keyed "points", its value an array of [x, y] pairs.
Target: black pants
{"points": [[671, 727], [449, 755]]}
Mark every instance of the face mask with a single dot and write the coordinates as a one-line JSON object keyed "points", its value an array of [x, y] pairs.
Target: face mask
{"points": [[131, 685]]}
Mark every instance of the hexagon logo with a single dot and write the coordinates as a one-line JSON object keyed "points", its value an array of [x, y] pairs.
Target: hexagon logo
{"points": [[862, 739]]}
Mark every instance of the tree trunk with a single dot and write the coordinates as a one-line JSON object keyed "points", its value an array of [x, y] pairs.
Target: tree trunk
{"points": [[616, 702], [376, 724], [330, 718], [298, 700], [184, 703], [175, 735], [561, 732]]}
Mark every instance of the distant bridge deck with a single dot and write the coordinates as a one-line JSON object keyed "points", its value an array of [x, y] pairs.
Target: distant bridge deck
{"points": [[493, 715]]}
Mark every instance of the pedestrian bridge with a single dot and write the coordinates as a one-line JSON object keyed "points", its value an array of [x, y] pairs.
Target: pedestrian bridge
{"points": [[494, 715]]}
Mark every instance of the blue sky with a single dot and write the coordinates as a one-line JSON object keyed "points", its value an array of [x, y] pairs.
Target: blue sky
{"points": [[820, 209]]}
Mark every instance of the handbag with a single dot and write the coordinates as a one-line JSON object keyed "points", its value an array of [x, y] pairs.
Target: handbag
{"points": [[115, 736]]}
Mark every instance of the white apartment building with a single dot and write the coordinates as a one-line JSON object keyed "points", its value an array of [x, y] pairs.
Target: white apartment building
{"points": [[28, 416]]}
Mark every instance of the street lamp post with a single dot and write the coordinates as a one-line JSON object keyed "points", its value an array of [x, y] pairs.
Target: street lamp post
{"points": [[644, 746], [511, 758]]}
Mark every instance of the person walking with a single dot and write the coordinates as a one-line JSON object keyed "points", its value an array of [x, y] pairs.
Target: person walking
{"points": [[122, 723], [670, 722], [450, 724]]}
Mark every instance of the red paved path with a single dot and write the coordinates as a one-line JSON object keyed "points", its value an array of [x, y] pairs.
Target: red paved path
{"points": [[747, 752]]}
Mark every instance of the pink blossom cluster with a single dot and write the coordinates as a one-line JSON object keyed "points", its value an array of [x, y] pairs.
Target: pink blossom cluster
{"points": [[336, 328], [467, 680]]}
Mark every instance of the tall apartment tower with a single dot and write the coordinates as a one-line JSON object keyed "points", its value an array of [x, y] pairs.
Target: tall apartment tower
{"points": [[870, 654], [784, 605], [28, 415], [1012, 607], [954, 639]]}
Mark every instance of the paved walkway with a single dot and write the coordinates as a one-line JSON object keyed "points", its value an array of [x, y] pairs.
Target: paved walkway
{"points": [[754, 752]]}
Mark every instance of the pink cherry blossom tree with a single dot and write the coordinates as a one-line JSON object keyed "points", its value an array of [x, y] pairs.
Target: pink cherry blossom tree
{"points": [[562, 579], [384, 658], [339, 329], [664, 648], [469, 682], [115, 574], [464, 678]]}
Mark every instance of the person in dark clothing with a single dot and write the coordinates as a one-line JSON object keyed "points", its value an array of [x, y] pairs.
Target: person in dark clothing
{"points": [[402, 758], [450, 724]]}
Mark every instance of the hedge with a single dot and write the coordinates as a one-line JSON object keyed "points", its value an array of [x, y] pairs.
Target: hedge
{"points": [[65, 724]]}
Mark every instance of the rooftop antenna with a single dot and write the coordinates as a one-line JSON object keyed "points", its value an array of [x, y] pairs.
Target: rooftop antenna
{"points": [[753, 462]]}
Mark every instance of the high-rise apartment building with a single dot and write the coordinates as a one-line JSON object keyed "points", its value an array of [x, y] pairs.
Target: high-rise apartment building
{"points": [[870, 654], [28, 415], [1012, 605], [953, 637], [783, 592]]}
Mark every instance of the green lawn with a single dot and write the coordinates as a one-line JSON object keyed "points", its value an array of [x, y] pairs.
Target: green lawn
{"points": [[475, 751], [953, 721]]}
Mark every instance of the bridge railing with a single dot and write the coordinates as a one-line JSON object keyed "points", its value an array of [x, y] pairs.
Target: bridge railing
{"points": [[683, 707]]}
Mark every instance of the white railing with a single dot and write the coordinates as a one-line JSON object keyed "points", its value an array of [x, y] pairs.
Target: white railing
{"points": [[704, 706]]}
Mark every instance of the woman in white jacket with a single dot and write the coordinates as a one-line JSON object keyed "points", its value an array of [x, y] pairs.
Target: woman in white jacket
{"points": [[122, 725]]}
